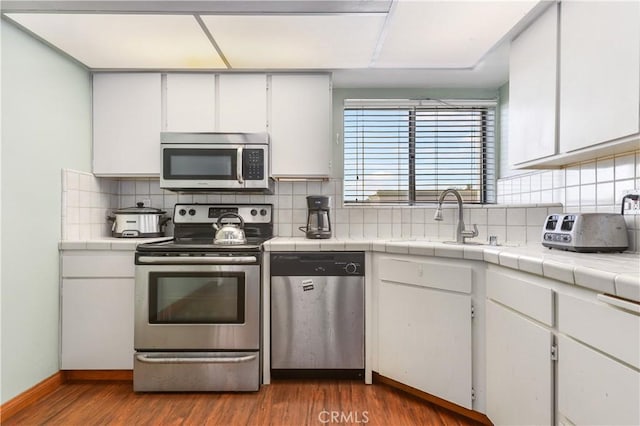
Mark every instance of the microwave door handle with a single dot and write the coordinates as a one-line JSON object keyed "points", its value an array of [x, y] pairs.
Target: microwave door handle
{"points": [[239, 173]]}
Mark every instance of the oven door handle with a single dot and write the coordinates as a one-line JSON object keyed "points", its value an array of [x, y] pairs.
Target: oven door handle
{"points": [[196, 360], [208, 260]]}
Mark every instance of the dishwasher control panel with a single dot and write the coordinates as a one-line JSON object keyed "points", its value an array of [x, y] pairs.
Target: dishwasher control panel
{"points": [[317, 263]]}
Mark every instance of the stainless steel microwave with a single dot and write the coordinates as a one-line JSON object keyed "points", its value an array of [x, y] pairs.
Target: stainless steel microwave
{"points": [[215, 162]]}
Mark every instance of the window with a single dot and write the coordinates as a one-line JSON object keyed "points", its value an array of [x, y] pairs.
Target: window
{"points": [[407, 152]]}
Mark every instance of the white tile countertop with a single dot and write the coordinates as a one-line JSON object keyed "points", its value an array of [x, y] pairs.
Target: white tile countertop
{"points": [[613, 273], [107, 243]]}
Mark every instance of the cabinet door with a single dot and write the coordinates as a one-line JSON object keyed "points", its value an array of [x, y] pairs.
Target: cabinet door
{"points": [[243, 102], [300, 125], [532, 90], [600, 72], [97, 324], [191, 100], [126, 124], [519, 369], [424, 340], [595, 389]]}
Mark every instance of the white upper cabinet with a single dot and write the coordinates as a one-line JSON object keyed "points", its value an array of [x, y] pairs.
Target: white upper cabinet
{"points": [[599, 72], [532, 90], [242, 102], [131, 109], [190, 102], [126, 124], [300, 125]]}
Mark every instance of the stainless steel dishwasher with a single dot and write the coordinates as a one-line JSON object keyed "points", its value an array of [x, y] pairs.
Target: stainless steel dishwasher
{"points": [[317, 314]]}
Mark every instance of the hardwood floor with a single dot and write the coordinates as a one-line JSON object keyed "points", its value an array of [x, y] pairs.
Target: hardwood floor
{"points": [[284, 402]]}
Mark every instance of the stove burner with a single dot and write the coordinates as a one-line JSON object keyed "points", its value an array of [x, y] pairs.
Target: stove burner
{"points": [[194, 232]]}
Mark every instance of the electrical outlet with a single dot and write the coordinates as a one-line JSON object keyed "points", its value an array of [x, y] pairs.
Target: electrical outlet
{"points": [[147, 202], [632, 206]]}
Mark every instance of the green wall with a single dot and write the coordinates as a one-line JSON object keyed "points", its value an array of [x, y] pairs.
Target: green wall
{"points": [[46, 126]]}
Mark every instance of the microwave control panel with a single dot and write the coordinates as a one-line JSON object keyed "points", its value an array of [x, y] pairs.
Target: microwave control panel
{"points": [[253, 164]]}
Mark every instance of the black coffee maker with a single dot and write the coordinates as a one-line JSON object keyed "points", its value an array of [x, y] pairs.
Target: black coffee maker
{"points": [[318, 222]]}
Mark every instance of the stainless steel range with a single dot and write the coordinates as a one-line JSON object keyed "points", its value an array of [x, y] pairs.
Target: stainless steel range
{"points": [[197, 302]]}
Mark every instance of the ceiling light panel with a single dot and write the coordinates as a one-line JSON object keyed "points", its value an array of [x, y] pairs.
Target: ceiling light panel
{"points": [[446, 34], [296, 41], [126, 41]]}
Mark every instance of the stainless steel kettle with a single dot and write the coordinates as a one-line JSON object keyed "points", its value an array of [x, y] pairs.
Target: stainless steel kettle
{"points": [[229, 233]]}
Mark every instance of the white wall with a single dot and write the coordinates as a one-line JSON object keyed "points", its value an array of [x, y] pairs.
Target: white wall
{"points": [[46, 125]]}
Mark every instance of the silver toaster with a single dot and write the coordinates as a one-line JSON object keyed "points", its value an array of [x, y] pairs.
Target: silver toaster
{"points": [[585, 232]]}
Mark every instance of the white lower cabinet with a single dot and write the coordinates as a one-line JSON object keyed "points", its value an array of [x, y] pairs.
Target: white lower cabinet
{"points": [[595, 339], [598, 363], [97, 300], [97, 324], [520, 370], [594, 388], [425, 326]]}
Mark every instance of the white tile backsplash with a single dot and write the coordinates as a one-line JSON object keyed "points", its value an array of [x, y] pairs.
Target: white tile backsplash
{"points": [[587, 172], [86, 203], [596, 185], [604, 170], [524, 202], [625, 167], [497, 216]]}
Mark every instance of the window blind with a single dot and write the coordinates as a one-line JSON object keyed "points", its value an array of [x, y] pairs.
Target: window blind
{"points": [[407, 154]]}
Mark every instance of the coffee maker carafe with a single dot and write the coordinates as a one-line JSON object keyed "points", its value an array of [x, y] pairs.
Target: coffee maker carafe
{"points": [[318, 222]]}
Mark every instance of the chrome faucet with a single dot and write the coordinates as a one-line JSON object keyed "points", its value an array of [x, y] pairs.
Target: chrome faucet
{"points": [[461, 232]]}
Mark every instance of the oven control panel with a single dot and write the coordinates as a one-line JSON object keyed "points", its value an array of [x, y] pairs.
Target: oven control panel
{"points": [[209, 213]]}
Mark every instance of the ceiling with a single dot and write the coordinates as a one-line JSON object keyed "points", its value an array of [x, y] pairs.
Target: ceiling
{"points": [[365, 43]]}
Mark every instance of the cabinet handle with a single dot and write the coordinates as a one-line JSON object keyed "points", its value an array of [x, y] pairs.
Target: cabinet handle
{"points": [[620, 303]]}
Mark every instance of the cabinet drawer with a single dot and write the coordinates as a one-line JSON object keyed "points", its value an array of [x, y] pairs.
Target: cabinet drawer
{"points": [[595, 389], [611, 330], [530, 299], [427, 274], [87, 264]]}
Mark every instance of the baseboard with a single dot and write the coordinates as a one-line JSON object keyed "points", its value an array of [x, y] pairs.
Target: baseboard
{"points": [[470, 414], [98, 375], [48, 385], [31, 396]]}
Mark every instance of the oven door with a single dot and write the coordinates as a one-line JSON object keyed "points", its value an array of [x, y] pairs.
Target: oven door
{"points": [[196, 306]]}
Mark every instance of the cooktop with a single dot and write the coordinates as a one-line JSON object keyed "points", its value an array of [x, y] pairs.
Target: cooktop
{"points": [[194, 228]]}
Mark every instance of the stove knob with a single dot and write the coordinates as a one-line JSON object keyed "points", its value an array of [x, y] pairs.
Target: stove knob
{"points": [[254, 212], [192, 212], [263, 212], [351, 268], [182, 212]]}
